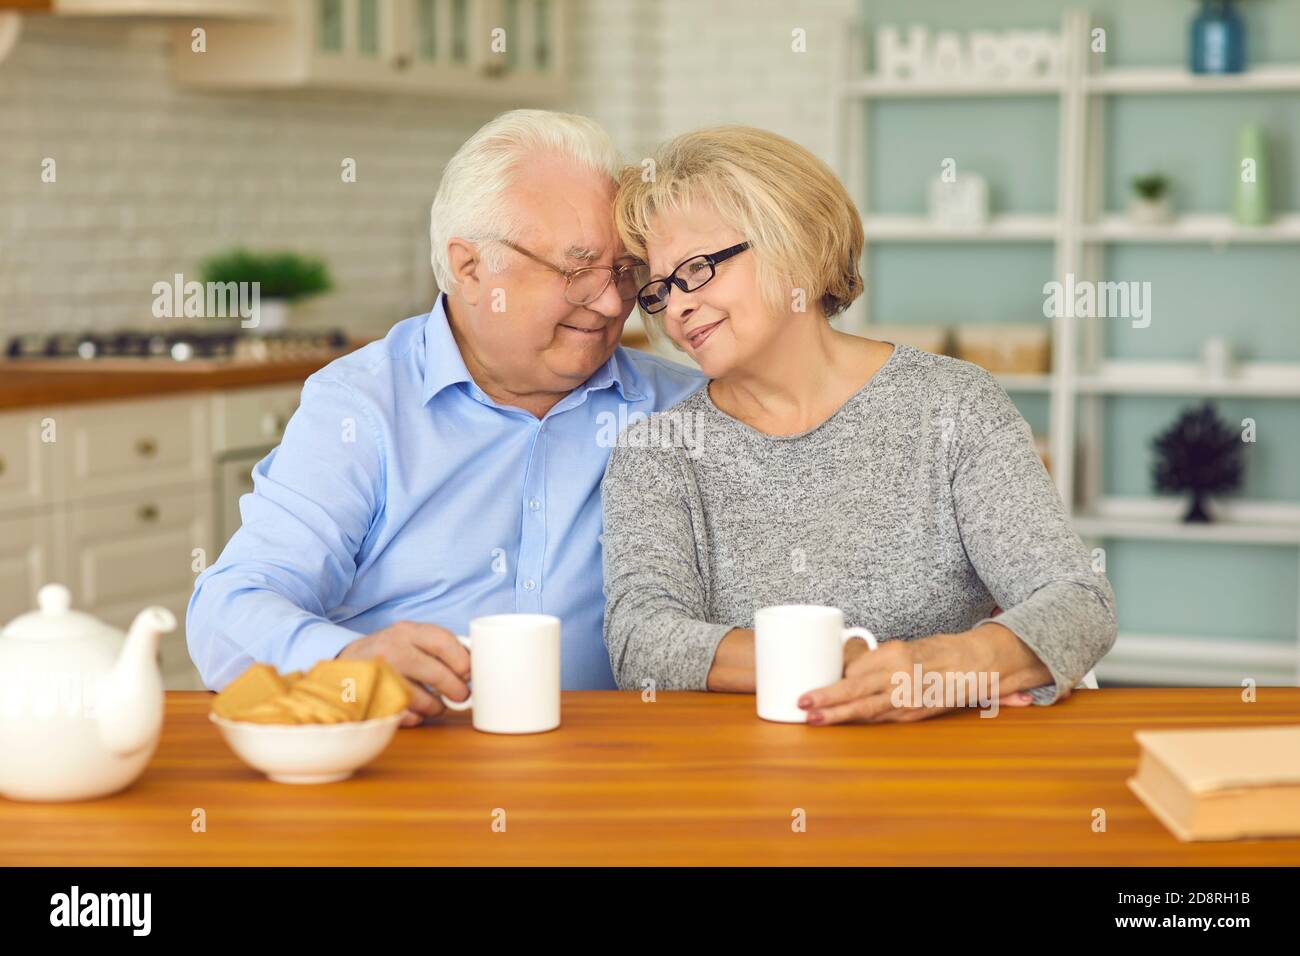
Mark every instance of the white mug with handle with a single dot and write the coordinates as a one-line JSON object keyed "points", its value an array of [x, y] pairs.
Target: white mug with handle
{"points": [[798, 648], [514, 673]]}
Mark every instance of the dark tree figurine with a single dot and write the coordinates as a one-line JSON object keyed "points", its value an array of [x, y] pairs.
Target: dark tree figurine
{"points": [[1199, 454]]}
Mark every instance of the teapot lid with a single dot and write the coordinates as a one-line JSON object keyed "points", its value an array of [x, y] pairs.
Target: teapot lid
{"points": [[55, 619]]}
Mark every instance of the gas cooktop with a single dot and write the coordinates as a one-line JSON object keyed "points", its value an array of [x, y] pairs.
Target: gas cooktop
{"points": [[176, 345]]}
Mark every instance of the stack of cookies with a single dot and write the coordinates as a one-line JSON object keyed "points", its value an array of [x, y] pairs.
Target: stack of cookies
{"points": [[332, 692]]}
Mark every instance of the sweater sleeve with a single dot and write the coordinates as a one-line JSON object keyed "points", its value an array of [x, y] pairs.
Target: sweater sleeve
{"points": [[1022, 545], [655, 589]]}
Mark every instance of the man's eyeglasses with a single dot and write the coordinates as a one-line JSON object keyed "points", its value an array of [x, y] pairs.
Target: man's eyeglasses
{"points": [[584, 286], [689, 276]]}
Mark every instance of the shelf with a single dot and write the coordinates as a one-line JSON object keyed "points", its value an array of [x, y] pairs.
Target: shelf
{"points": [[1256, 379], [1197, 660], [878, 88], [1009, 228], [1172, 529], [1192, 228], [1179, 80]]}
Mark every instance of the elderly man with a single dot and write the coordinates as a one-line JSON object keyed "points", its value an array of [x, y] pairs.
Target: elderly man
{"points": [[453, 468]]}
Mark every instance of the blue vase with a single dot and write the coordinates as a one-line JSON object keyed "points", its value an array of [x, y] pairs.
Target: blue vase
{"points": [[1218, 38]]}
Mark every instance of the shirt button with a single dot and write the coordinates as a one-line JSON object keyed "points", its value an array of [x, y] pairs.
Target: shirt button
{"points": [[529, 584], [534, 504]]}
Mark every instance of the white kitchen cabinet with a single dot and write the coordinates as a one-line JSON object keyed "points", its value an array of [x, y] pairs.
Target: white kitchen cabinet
{"points": [[513, 51], [165, 8], [113, 499]]}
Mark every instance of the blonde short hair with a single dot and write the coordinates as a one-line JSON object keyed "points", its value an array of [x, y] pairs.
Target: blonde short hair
{"points": [[802, 226]]}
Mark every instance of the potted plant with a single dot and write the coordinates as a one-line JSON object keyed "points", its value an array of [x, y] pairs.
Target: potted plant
{"points": [[1200, 454], [1150, 204], [282, 278]]}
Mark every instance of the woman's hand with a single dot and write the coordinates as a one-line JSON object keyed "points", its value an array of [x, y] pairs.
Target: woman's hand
{"points": [[882, 685]]}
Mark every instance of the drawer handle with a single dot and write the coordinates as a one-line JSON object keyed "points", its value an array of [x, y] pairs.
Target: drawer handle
{"points": [[146, 447], [148, 513]]}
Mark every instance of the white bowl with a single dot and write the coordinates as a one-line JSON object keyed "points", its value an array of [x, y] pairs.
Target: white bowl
{"points": [[308, 753]]}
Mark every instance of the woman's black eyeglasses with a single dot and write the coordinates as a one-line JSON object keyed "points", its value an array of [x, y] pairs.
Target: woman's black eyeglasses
{"points": [[689, 276]]}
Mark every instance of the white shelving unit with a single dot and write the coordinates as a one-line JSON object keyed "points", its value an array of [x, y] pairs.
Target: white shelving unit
{"points": [[1082, 376], [1194, 228], [1009, 228]]}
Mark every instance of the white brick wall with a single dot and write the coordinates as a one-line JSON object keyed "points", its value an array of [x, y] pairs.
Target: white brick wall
{"points": [[730, 61], [152, 178]]}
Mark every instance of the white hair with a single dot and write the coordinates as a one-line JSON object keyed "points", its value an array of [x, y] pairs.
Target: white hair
{"points": [[471, 202]]}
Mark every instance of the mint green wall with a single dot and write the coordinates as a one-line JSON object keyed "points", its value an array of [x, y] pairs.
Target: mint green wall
{"points": [[1249, 294]]}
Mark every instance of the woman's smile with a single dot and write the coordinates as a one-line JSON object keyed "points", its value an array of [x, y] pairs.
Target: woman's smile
{"points": [[700, 334]]}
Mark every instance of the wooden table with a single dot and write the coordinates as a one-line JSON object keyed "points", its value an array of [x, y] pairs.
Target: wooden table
{"points": [[688, 779]]}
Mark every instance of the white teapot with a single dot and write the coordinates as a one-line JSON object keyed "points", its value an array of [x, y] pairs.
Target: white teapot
{"points": [[81, 705]]}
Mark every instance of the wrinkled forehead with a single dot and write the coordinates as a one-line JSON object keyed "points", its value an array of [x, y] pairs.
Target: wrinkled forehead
{"points": [[566, 212]]}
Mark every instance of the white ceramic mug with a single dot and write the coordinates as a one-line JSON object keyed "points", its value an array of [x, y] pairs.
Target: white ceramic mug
{"points": [[798, 648], [514, 673]]}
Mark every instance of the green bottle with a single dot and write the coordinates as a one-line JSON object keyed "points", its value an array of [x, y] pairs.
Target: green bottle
{"points": [[1251, 205]]}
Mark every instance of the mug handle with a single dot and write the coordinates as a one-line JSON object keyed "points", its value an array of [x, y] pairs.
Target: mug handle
{"points": [[468, 701], [849, 634]]}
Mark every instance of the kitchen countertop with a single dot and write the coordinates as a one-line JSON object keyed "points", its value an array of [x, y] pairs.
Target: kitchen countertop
{"points": [[691, 778], [27, 384]]}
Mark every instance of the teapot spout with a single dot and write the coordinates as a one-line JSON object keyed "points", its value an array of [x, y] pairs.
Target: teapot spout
{"points": [[129, 704]]}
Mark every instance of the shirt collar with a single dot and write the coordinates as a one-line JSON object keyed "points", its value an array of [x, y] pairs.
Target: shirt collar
{"points": [[444, 366]]}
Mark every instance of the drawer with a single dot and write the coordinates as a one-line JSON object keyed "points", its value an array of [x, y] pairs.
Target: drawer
{"points": [[126, 445], [139, 545], [252, 417], [24, 563], [26, 459]]}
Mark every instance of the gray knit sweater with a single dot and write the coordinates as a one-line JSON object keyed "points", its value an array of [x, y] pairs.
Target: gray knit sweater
{"points": [[915, 508]]}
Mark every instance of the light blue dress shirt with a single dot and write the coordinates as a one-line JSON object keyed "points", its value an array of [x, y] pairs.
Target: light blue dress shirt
{"points": [[401, 491]]}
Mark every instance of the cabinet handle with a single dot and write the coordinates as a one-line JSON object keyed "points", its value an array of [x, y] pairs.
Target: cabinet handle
{"points": [[146, 447], [273, 424], [148, 513], [2, 466]]}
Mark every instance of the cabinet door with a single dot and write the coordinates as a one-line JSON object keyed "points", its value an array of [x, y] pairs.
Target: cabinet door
{"points": [[26, 460], [353, 42], [136, 551], [453, 46], [122, 446], [25, 543], [135, 546], [249, 418]]}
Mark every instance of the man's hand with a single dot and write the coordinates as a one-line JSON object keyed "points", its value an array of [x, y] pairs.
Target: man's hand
{"points": [[427, 655]]}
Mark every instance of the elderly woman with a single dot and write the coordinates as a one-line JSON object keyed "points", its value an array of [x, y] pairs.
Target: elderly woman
{"points": [[819, 467]]}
